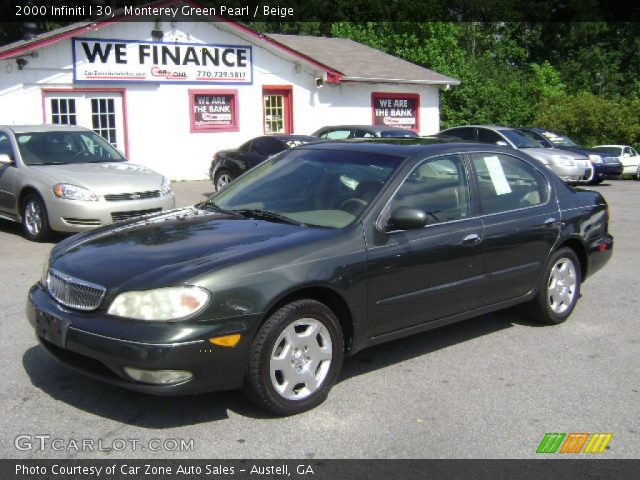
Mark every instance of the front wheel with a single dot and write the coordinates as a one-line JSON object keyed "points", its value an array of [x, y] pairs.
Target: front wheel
{"points": [[559, 289], [223, 178], [35, 223], [295, 358]]}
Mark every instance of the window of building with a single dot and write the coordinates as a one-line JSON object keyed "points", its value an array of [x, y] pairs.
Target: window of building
{"points": [[277, 110], [63, 111], [508, 183], [103, 119]]}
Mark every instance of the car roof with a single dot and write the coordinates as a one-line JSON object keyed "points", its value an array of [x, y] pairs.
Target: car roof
{"points": [[284, 138], [43, 128], [373, 128], [619, 146], [406, 147]]}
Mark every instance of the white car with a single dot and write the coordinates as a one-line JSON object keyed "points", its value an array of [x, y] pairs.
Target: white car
{"points": [[627, 155]]}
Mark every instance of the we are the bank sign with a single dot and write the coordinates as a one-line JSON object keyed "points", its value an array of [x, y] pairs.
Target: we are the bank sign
{"points": [[97, 60]]}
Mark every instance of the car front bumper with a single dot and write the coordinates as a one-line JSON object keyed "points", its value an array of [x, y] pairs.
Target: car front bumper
{"points": [[78, 216], [87, 342], [607, 170]]}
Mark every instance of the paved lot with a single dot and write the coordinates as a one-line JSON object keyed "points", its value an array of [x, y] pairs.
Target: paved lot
{"points": [[488, 387]]}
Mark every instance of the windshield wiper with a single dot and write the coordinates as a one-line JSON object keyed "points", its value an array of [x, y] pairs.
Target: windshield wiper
{"points": [[267, 215], [210, 204]]}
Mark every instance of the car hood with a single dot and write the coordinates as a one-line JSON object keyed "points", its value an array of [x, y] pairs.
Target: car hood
{"points": [[173, 247], [547, 155], [104, 178]]}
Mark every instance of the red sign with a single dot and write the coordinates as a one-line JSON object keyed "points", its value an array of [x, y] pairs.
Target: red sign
{"points": [[213, 111], [396, 110]]}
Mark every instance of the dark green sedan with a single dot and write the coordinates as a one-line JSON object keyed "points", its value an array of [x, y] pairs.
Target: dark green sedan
{"points": [[313, 255]]}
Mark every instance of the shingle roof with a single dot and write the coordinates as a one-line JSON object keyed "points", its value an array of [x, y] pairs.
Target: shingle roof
{"points": [[359, 62]]}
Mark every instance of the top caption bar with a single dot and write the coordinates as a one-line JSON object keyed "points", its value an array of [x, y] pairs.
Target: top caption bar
{"points": [[319, 10]]}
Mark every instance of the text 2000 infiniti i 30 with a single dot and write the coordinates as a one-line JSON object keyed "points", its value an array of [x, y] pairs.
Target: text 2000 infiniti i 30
{"points": [[316, 254]]}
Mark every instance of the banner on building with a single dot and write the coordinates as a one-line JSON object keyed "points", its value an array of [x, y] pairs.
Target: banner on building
{"points": [[396, 110], [98, 60]]}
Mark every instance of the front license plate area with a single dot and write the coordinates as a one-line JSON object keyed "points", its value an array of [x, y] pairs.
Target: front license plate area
{"points": [[52, 329]]}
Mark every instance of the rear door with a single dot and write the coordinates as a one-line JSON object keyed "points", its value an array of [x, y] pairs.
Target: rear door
{"points": [[521, 223]]}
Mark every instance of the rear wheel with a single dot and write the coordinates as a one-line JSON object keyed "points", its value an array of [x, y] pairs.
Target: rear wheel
{"points": [[559, 289], [223, 178], [596, 181], [35, 223], [295, 358]]}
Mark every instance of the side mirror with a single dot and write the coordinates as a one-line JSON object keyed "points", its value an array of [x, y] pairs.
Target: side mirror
{"points": [[5, 159], [407, 218], [502, 143], [627, 154]]}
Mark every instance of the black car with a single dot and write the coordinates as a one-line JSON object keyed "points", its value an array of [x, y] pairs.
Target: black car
{"points": [[227, 165], [315, 254], [342, 132], [604, 166]]}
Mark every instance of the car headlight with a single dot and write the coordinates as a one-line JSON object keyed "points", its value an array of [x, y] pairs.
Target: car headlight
{"points": [[162, 304], [564, 160], [165, 188], [595, 158], [72, 192]]}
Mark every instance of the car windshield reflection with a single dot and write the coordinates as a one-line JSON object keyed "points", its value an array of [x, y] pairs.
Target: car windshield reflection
{"points": [[62, 148], [323, 188]]}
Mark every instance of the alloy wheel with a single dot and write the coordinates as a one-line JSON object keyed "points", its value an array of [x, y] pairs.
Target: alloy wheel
{"points": [[562, 286], [301, 359]]}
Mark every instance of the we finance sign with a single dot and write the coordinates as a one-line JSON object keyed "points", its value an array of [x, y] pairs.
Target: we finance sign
{"points": [[98, 60]]}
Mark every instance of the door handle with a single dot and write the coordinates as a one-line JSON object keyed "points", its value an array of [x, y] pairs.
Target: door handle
{"points": [[550, 222], [472, 239]]}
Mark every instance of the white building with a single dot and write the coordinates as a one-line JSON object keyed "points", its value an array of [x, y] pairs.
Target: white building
{"points": [[170, 92]]}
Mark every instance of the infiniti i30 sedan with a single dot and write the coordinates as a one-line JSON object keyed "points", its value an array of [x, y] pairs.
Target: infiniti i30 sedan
{"points": [[69, 179], [317, 253]]}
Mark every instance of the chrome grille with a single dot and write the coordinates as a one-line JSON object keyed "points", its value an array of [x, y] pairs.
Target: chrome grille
{"points": [[117, 197], [119, 216], [73, 292]]}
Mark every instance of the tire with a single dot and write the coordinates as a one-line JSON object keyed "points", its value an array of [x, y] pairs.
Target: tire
{"points": [[222, 179], [596, 181], [35, 222], [559, 288], [291, 371]]}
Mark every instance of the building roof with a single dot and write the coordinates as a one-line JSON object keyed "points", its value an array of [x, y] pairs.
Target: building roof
{"points": [[341, 59], [358, 62]]}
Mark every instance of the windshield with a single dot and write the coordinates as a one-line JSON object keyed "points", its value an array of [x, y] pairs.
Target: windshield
{"points": [[558, 140], [519, 139], [60, 148], [325, 188], [615, 151]]}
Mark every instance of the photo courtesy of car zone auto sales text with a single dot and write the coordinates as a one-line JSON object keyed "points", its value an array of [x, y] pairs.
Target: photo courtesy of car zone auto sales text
{"points": [[236, 243]]}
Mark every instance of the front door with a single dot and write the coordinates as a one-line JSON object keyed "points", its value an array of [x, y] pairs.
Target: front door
{"points": [[7, 178], [100, 111], [422, 275]]}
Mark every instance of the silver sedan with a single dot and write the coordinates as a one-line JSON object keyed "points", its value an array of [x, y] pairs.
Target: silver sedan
{"points": [[69, 179]]}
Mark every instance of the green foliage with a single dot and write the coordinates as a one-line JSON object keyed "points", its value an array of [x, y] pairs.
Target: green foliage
{"points": [[590, 119]]}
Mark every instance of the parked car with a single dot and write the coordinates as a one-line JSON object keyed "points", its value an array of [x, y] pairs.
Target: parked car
{"points": [[603, 167], [625, 154], [318, 253], [227, 165], [569, 166], [341, 132], [69, 179]]}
